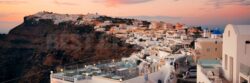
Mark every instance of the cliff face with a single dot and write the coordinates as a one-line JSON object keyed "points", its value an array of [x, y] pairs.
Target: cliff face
{"points": [[34, 48]]}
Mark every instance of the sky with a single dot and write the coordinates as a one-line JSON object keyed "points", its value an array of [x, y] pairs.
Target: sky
{"points": [[210, 13]]}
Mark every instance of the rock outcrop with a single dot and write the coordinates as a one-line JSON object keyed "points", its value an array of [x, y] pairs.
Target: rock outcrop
{"points": [[37, 46]]}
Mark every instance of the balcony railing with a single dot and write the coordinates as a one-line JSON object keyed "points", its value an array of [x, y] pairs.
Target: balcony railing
{"points": [[244, 69]]}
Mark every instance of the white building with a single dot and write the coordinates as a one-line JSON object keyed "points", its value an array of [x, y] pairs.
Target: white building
{"points": [[117, 72], [206, 33], [236, 53], [154, 25]]}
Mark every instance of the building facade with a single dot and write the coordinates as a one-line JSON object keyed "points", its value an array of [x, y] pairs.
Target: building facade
{"points": [[208, 48], [236, 53]]}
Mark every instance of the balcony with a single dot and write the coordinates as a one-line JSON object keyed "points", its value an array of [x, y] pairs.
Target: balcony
{"points": [[244, 75], [244, 69], [209, 71]]}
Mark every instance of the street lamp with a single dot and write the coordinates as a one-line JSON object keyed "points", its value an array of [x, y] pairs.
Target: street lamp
{"points": [[120, 80], [87, 74], [61, 70], [62, 74]]}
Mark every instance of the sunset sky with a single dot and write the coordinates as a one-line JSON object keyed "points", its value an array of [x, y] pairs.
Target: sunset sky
{"points": [[216, 13]]}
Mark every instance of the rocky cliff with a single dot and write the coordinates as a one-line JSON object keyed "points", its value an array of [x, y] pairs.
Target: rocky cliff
{"points": [[45, 42]]}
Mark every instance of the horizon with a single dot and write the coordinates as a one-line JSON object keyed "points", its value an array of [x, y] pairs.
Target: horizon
{"points": [[208, 13]]}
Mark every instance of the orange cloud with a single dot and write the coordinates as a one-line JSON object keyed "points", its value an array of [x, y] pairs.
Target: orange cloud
{"points": [[11, 2], [116, 2], [63, 3]]}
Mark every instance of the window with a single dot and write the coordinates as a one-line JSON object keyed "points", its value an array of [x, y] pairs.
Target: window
{"points": [[247, 42], [215, 49], [228, 33], [215, 42], [226, 62]]}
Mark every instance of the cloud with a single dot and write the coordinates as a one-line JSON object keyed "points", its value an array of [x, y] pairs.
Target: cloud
{"points": [[63, 3], [9, 14], [221, 3], [11, 2], [2, 15], [168, 19], [6, 26], [115, 2]]}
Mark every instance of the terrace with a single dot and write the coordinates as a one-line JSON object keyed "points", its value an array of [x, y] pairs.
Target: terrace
{"points": [[244, 74], [209, 71], [116, 70]]}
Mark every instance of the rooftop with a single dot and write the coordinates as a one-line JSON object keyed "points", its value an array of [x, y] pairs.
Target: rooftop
{"points": [[114, 70], [216, 31], [209, 39], [240, 29]]}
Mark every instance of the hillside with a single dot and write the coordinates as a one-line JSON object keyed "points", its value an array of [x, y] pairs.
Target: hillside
{"points": [[48, 41]]}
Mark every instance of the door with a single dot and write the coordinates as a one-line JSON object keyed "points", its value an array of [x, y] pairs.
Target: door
{"points": [[231, 68]]}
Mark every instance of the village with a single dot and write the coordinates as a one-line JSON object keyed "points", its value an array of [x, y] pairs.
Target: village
{"points": [[170, 54]]}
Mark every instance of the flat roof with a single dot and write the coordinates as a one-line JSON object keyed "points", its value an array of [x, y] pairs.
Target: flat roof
{"points": [[209, 63], [243, 29], [209, 39], [239, 29]]}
